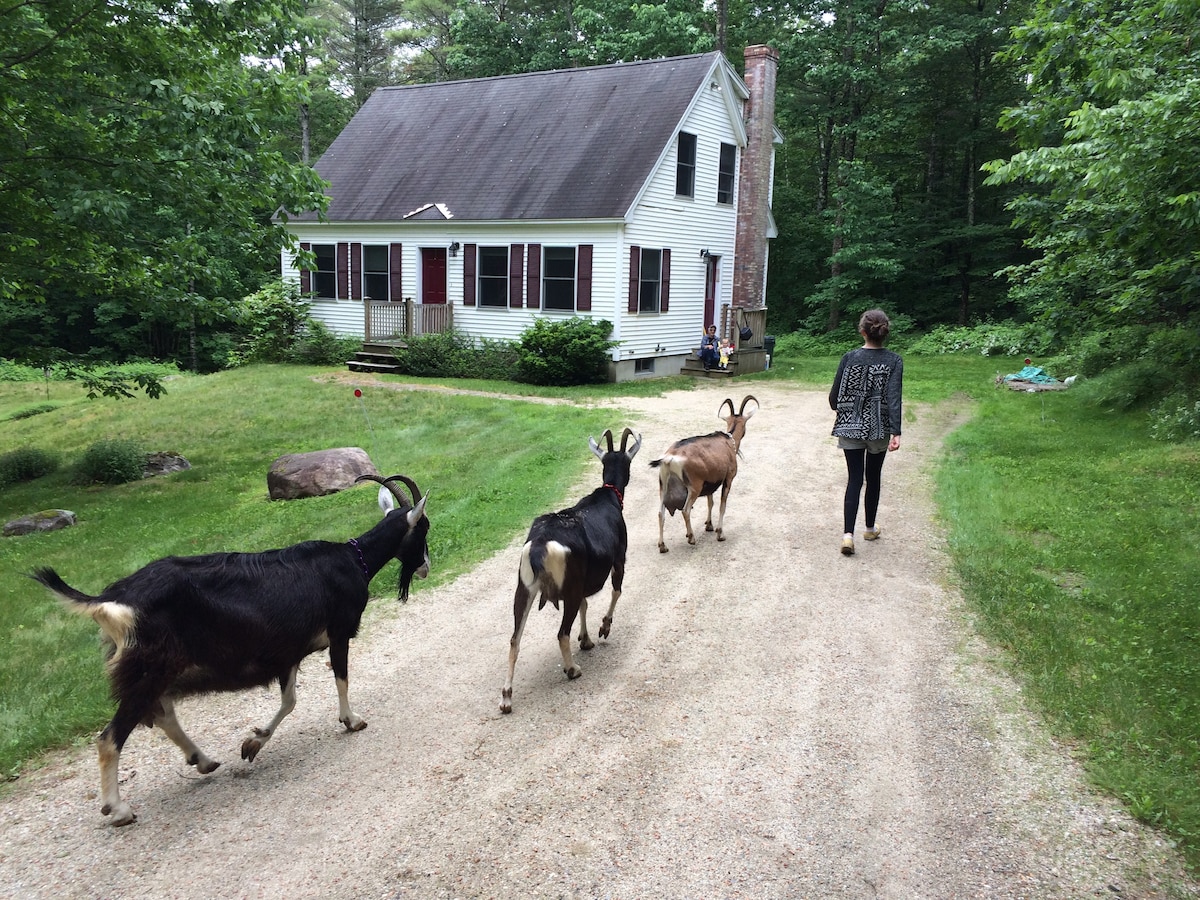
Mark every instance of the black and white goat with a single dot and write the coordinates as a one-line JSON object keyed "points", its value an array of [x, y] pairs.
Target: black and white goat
{"points": [[229, 621], [568, 556], [695, 467]]}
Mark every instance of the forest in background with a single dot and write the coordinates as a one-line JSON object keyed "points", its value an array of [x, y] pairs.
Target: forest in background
{"points": [[955, 161]]}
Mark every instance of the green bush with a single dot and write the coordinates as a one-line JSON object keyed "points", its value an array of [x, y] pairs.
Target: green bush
{"points": [[273, 319], [1176, 419], [317, 345], [567, 352], [453, 354], [25, 464], [115, 461], [991, 339]]}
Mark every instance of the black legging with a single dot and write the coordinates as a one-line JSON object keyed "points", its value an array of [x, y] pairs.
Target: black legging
{"points": [[860, 463]]}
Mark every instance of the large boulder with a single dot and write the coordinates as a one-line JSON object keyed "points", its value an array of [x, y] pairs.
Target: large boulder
{"points": [[46, 520], [162, 462], [296, 475]]}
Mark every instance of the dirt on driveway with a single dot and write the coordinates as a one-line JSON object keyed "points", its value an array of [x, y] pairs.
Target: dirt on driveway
{"points": [[769, 719]]}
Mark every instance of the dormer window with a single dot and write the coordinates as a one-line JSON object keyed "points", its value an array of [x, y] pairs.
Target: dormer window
{"points": [[685, 165]]}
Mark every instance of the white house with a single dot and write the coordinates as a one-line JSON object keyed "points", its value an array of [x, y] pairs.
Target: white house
{"points": [[638, 193]]}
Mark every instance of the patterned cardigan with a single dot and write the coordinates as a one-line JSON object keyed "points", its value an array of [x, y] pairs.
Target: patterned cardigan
{"points": [[866, 394]]}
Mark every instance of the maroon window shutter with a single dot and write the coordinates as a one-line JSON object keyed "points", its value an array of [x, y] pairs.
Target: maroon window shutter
{"points": [[665, 296], [305, 274], [635, 274], [343, 274], [583, 286], [516, 274], [469, 260], [356, 271], [534, 266], [396, 285]]}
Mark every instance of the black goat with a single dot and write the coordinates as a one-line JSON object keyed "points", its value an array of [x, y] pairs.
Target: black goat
{"points": [[230, 621], [568, 556]]}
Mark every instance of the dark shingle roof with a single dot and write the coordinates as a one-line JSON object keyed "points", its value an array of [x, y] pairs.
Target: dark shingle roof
{"points": [[568, 144]]}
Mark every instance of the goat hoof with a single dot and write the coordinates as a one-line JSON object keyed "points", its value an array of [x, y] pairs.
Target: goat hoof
{"points": [[708, 526], [354, 723], [663, 548], [574, 672], [605, 628], [122, 813], [250, 748], [588, 643], [506, 700], [720, 536]]}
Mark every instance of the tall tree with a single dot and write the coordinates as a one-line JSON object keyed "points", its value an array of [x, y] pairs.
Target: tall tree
{"points": [[131, 163], [360, 44], [1110, 132]]}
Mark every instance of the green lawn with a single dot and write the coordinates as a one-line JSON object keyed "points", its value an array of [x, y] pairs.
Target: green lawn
{"points": [[1072, 533]]}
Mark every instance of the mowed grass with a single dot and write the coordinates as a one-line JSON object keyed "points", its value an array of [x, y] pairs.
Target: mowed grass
{"points": [[1074, 536], [489, 467]]}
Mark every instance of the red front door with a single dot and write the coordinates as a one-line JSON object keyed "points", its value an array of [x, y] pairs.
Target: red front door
{"points": [[433, 275]]}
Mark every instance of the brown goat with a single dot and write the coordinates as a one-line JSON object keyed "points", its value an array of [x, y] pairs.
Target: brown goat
{"points": [[695, 467]]}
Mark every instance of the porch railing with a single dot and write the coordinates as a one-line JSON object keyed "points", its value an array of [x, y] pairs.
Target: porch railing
{"points": [[734, 317], [392, 320]]}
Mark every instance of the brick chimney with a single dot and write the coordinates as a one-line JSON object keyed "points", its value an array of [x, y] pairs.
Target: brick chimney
{"points": [[754, 189]]}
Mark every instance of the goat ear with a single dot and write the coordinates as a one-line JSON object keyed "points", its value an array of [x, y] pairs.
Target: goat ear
{"points": [[742, 412], [414, 514], [721, 409], [595, 448], [387, 502]]}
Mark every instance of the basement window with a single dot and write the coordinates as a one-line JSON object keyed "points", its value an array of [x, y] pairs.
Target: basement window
{"points": [[643, 366]]}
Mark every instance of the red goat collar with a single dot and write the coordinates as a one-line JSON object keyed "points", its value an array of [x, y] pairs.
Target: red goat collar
{"points": [[620, 499]]}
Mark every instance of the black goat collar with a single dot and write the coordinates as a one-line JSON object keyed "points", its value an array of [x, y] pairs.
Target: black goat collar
{"points": [[620, 499], [353, 542]]}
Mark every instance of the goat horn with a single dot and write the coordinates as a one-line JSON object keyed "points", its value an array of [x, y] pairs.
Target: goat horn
{"points": [[412, 486], [749, 397], [728, 403], [387, 483], [609, 437], [636, 444]]}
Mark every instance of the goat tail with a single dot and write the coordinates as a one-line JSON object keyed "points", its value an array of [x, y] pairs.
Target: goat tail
{"points": [[116, 620], [544, 563]]}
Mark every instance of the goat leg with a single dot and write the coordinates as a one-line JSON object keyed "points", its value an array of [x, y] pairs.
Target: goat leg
{"points": [[585, 642], [522, 603], [606, 623], [166, 720], [708, 525], [570, 609], [287, 687]]}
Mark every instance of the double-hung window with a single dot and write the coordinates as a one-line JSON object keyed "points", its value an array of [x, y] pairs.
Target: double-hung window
{"points": [[685, 165], [650, 281], [493, 276], [324, 274], [726, 174], [558, 278], [375, 272]]}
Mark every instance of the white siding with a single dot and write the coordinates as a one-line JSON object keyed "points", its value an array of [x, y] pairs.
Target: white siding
{"points": [[685, 225]]}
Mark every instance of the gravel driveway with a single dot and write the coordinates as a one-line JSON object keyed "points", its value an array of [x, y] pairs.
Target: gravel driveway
{"points": [[769, 719]]}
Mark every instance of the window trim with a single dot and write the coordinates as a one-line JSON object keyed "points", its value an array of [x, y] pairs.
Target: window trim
{"points": [[322, 277], [383, 274]]}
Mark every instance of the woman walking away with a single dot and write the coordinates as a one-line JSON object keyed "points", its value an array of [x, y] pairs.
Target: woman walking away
{"points": [[866, 396]]}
